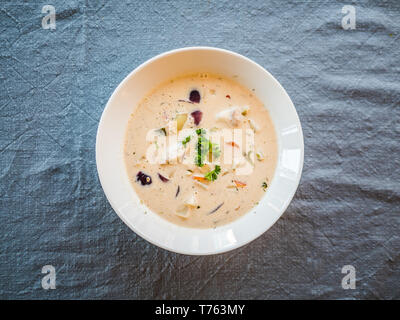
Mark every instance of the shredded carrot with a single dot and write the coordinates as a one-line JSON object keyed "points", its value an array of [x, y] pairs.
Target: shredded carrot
{"points": [[199, 178], [233, 144], [239, 184]]}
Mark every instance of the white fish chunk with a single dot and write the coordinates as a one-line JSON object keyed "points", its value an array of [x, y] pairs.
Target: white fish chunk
{"points": [[233, 115]]}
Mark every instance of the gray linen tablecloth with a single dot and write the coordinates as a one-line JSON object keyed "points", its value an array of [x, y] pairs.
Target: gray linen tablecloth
{"points": [[344, 84]]}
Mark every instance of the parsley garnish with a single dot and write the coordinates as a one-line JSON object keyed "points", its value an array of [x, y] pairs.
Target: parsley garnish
{"points": [[205, 147], [186, 140], [200, 131], [213, 175], [264, 186], [202, 147]]}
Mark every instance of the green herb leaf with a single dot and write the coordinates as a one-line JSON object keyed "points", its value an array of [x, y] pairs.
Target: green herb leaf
{"points": [[186, 140], [202, 147], [213, 175], [200, 131], [264, 186], [205, 148]]}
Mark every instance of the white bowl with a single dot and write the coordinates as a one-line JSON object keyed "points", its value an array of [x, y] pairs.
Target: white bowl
{"points": [[114, 179]]}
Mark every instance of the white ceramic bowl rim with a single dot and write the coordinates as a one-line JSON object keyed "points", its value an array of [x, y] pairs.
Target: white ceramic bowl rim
{"points": [[178, 239]]}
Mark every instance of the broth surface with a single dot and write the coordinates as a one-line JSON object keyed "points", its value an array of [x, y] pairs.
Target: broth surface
{"points": [[172, 184]]}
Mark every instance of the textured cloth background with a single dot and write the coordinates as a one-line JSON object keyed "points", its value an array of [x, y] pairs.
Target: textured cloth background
{"points": [[54, 85]]}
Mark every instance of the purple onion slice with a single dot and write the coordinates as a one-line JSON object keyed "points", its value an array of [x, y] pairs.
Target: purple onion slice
{"points": [[162, 178], [143, 178], [197, 116], [194, 96]]}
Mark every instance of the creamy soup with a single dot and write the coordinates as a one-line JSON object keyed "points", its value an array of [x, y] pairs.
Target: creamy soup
{"points": [[200, 150]]}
